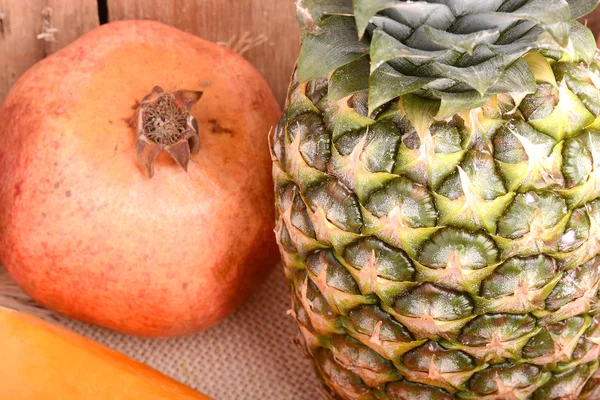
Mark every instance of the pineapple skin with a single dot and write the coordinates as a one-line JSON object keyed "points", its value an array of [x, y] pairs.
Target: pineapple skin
{"points": [[450, 258]]}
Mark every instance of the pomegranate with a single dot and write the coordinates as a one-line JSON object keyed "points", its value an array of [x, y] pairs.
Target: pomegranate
{"points": [[135, 188]]}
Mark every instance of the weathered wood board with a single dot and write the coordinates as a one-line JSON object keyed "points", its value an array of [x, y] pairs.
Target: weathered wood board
{"points": [[32, 29]]}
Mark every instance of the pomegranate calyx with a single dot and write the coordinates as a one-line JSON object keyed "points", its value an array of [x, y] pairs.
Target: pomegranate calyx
{"points": [[164, 123]]}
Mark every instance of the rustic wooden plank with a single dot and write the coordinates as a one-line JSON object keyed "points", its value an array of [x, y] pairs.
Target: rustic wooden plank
{"points": [[32, 29], [19, 47], [269, 24]]}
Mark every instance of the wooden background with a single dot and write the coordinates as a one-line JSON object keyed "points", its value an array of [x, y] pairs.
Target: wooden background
{"points": [[265, 31]]}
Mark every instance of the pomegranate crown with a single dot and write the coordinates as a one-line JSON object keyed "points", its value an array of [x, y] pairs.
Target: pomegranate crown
{"points": [[164, 123]]}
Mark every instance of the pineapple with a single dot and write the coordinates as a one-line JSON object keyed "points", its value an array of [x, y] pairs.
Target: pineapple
{"points": [[437, 178]]}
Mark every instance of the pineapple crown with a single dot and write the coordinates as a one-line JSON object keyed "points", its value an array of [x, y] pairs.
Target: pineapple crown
{"points": [[459, 52]]}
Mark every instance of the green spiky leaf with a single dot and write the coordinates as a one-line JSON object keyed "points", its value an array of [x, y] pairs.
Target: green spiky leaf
{"points": [[349, 79], [580, 8], [387, 84], [335, 46]]}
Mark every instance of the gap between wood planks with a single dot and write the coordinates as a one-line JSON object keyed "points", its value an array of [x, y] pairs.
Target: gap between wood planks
{"points": [[103, 16]]}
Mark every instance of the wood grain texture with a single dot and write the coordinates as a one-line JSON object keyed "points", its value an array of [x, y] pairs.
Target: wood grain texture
{"points": [[32, 29], [270, 24]]}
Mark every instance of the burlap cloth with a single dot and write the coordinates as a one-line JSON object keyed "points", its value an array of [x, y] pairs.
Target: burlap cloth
{"points": [[248, 356]]}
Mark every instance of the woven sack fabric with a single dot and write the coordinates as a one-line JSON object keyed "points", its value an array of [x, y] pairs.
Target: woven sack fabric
{"points": [[249, 356]]}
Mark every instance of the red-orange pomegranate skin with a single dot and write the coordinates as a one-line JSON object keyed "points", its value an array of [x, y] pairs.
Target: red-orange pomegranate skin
{"points": [[85, 232]]}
